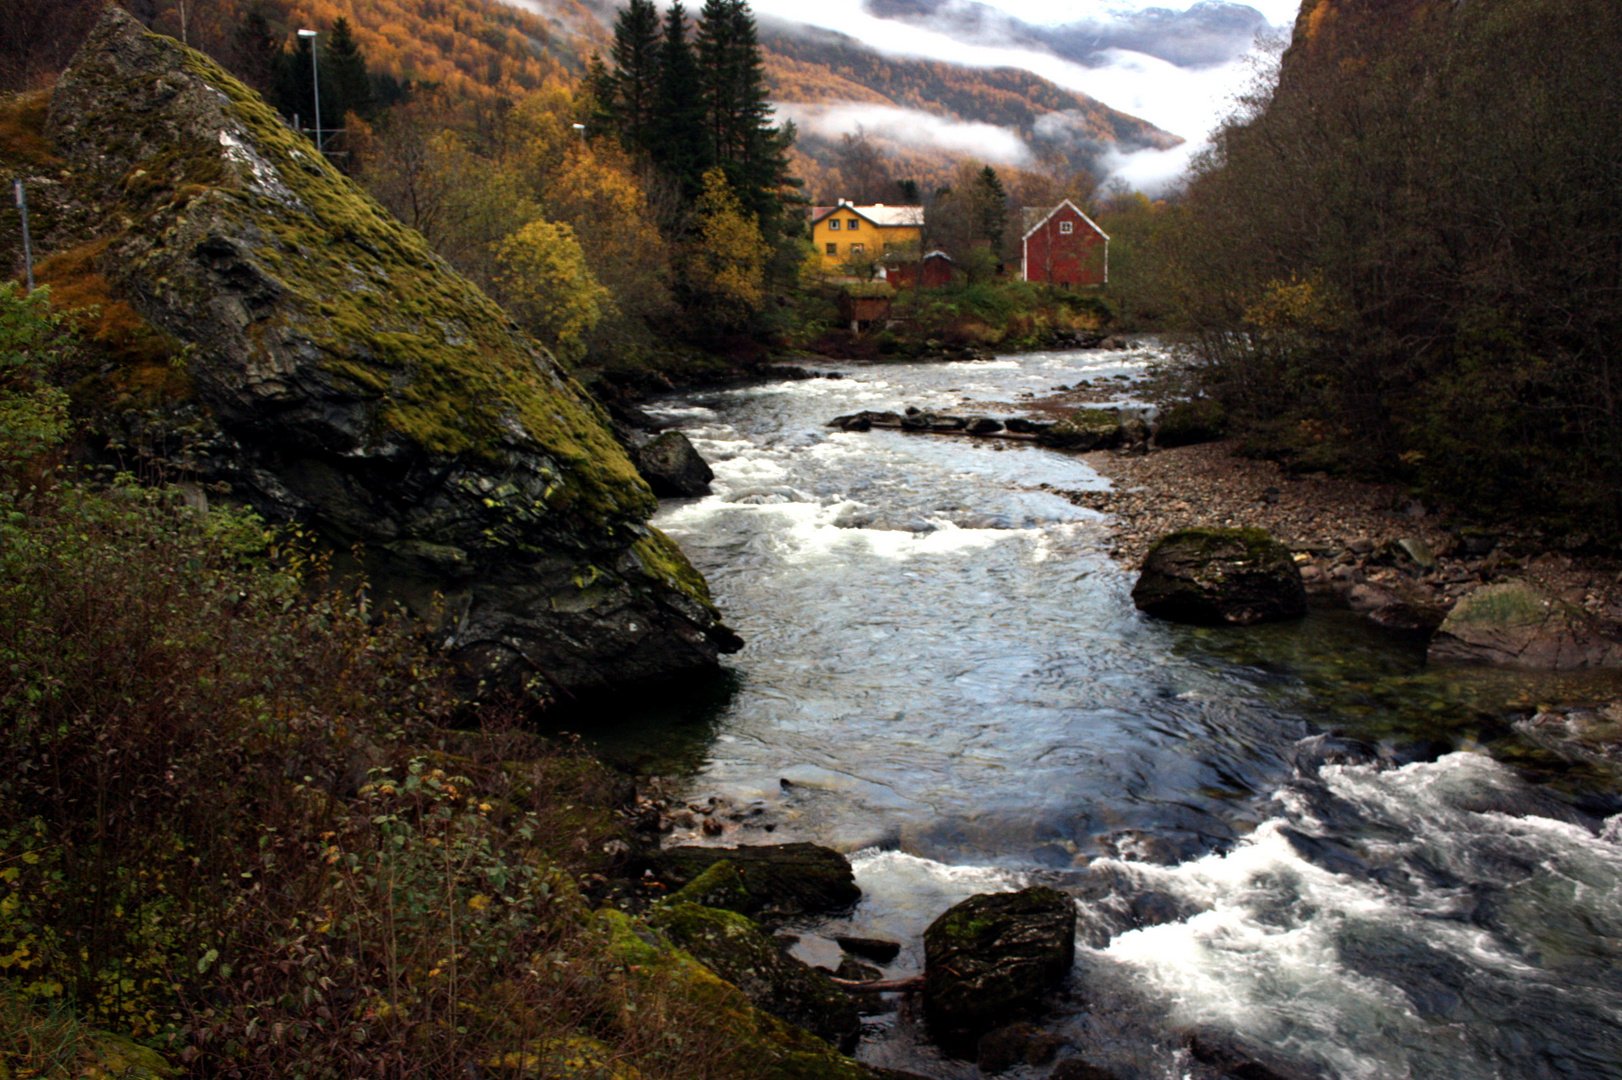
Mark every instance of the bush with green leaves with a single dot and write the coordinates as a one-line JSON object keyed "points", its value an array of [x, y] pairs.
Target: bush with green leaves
{"points": [[33, 414]]}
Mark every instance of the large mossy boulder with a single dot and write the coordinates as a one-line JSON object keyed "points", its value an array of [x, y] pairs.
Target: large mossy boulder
{"points": [[990, 960], [661, 978], [330, 369], [737, 949], [1220, 577], [1517, 623], [777, 879]]}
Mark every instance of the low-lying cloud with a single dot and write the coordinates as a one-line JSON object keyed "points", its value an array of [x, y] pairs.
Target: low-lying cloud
{"points": [[1187, 101], [908, 127]]}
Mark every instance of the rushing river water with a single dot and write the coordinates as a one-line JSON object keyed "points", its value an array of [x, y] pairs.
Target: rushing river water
{"points": [[945, 677]]}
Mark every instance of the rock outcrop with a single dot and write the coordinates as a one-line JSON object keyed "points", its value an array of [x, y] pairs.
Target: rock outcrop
{"points": [[1220, 577], [338, 373]]}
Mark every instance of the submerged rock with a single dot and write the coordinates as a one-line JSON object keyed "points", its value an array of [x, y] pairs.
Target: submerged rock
{"points": [[1240, 1059], [989, 960], [336, 372], [1515, 622], [1216, 577]]}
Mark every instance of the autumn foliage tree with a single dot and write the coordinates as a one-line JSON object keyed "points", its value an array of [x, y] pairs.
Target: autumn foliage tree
{"points": [[724, 265]]}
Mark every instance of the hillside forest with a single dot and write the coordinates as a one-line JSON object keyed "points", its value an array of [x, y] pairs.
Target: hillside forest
{"points": [[1400, 258]]}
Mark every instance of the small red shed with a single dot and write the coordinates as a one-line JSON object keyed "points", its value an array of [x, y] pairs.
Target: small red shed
{"points": [[930, 272], [1063, 246]]}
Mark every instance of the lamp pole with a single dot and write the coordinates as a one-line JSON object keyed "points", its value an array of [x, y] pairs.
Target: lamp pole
{"points": [[582, 129], [315, 81], [28, 248]]}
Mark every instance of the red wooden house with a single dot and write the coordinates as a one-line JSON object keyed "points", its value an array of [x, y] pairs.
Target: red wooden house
{"points": [[1063, 246]]}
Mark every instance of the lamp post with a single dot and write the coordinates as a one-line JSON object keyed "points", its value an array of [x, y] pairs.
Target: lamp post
{"points": [[28, 248], [582, 129], [315, 80]]}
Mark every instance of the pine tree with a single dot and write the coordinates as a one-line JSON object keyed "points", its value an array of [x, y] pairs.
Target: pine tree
{"points": [[345, 85], [599, 107], [294, 93], [752, 152], [636, 75], [255, 52], [681, 143], [991, 208]]}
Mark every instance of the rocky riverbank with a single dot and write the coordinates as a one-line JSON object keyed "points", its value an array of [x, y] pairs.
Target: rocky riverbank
{"points": [[1352, 540]]}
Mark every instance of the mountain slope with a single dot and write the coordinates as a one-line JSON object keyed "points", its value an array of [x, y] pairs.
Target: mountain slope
{"points": [[1006, 97]]}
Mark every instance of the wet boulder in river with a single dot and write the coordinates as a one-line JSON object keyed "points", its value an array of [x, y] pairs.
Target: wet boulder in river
{"points": [[1086, 429], [672, 468], [989, 960], [1220, 577]]}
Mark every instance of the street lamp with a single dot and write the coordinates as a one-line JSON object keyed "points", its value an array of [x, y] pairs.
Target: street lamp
{"points": [[315, 78], [582, 129]]}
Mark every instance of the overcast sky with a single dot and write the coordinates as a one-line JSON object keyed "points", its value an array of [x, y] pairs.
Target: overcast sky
{"points": [[1186, 102]]}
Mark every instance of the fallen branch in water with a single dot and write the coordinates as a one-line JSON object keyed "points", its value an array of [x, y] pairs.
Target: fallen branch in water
{"points": [[914, 982]]}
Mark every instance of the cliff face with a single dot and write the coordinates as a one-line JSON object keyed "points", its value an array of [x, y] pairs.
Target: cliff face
{"points": [[341, 374]]}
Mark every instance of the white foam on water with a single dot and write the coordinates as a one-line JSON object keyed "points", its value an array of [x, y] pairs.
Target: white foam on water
{"points": [[1264, 955], [902, 894], [1263, 959], [681, 412]]}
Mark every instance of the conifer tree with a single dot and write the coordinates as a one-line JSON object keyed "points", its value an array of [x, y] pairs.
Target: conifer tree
{"points": [[991, 208], [346, 87], [255, 52], [599, 107], [753, 153], [681, 144], [637, 75]]}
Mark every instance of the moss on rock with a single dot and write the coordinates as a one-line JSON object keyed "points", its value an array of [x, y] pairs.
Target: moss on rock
{"points": [[737, 949], [721, 886], [658, 975]]}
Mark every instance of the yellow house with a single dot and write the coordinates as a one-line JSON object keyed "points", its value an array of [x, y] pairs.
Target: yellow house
{"points": [[847, 233]]}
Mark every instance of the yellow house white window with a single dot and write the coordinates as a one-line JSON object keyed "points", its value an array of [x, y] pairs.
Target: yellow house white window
{"points": [[856, 249], [833, 249], [853, 224], [833, 224]]}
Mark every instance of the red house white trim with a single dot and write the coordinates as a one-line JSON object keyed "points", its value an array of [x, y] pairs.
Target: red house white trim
{"points": [[1063, 246]]}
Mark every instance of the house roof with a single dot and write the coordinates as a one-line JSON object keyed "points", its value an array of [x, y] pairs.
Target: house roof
{"points": [[1033, 218], [880, 215]]}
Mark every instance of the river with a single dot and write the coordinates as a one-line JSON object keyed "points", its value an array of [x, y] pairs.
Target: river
{"points": [[945, 677]]}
